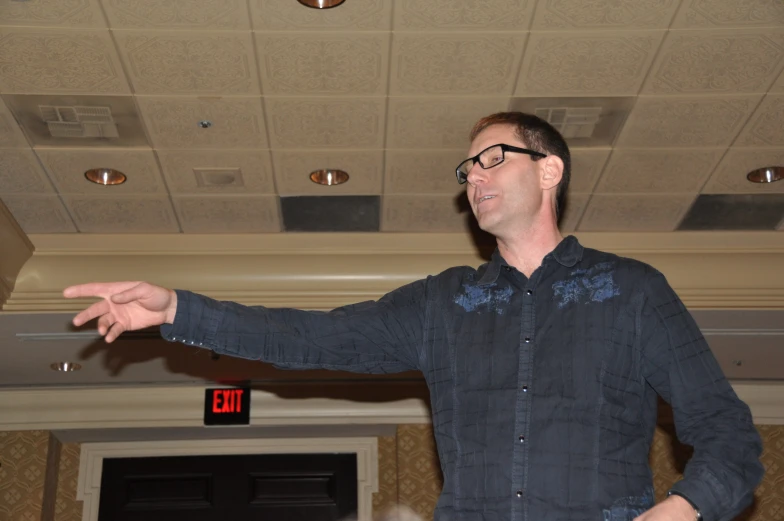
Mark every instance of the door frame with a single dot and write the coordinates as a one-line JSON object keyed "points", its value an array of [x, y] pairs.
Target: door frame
{"points": [[92, 456]]}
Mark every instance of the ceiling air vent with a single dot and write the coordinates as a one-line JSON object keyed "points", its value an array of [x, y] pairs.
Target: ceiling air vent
{"points": [[79, 122], [574, 122], [218, 177]]}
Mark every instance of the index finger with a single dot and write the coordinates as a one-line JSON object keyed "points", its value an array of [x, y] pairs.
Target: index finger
{"points": [[92, 289]]}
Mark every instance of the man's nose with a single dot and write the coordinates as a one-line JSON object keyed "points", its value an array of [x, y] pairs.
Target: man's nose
{"points": [[476, 175]]}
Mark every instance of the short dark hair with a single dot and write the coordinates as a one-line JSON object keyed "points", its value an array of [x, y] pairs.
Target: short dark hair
{"points": [[539, 135]]}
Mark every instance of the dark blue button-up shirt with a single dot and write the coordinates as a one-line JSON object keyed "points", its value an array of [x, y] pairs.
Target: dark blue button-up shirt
{"points": [[543, 389]]}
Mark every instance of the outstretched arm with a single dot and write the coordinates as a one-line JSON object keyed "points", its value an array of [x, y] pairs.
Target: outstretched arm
{"points": [[381, 336]]}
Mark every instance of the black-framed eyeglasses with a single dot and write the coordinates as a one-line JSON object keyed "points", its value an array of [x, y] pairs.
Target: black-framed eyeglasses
{"points": [[490, 157]]}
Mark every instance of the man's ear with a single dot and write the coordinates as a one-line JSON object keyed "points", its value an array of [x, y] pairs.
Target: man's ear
{"points": [[551, 168]]}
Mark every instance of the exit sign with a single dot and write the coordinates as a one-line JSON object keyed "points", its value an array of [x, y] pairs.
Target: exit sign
{"points": [[227, 406]]}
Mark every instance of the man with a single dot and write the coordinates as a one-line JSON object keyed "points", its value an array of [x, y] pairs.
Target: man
{"points": [[543, 365]]}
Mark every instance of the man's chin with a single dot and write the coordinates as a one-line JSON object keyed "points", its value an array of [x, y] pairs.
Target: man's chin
{"points": [[487, 225]]}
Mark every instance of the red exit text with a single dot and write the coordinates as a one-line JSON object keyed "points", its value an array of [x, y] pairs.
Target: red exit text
{"points": [[227, 400]]}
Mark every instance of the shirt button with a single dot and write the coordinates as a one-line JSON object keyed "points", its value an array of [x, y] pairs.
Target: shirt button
{"points": [[519, 493], [525, 388], [522, 439], [508, 268], [529, 292], [527, 340]]}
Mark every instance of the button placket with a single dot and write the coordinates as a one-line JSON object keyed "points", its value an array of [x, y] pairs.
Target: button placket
{"points": [[527, 336]]}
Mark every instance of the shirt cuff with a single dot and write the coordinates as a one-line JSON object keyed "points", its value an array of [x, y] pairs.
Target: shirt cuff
{"points": [[696, 494], [195, 322]]}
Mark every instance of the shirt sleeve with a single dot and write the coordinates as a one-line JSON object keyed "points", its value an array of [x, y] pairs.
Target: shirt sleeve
{"points": [[725, 469], [383, 336]]}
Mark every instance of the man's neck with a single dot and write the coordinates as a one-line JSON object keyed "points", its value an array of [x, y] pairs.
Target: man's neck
{"points": [[526, 249]]}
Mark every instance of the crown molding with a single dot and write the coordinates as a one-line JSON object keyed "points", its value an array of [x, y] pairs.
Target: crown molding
{"points": [[172, 407], [15, 250], [709, 270]]}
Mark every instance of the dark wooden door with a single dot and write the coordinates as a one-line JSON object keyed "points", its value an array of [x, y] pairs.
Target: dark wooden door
{"points": [[269, 487]]}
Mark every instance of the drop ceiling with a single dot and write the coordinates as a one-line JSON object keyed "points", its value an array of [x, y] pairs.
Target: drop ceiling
{"points": [[675, 100]]}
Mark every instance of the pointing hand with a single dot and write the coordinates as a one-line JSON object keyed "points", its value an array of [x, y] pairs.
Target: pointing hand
{"points": [[126, 306]]}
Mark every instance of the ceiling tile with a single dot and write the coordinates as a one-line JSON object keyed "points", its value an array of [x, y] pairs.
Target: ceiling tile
{"points": [[39, 213], [658, 171], [228, 214], [610, 63], [451, 63], [603, 14], [10, 133], [587, 164], [729, 13], [575, 206], [778, 87], [639, 213], [66, 168], [174, 122], [193, 14], [326, 122], [323, 63], [34, 61], [120, 110], [343, 213], [423, 171], [196, 62], [735, 212], [436, 122], [423, 213], [717, 61], [52, 13], [766, 126], [447, 15], [293, 168], [686, 121], [285, 15], [122, 214], [215, 171], [20, 173], [730, 176]]}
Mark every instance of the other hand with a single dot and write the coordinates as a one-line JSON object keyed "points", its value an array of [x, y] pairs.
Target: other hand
{"points": [[674, 508], [126, 306]]}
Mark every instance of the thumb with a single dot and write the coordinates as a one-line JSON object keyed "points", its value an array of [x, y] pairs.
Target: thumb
{"points": [[137, 292]]}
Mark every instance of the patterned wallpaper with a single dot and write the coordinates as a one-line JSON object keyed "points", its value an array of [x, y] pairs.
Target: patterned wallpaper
{"points": [[66, 507], [22, 474], [409, 474]]}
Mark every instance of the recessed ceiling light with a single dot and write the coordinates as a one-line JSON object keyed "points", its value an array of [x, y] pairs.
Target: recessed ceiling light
{"points": [[105, 176], [329, 177], [766, 174], [321, 4], [65, 367]]}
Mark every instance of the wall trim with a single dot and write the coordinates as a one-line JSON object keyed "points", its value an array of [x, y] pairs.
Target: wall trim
{"points": [[93, 455], [709, 270], [156, 407], [150, 406]]}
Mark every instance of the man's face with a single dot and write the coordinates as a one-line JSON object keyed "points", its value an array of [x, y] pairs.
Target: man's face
{"points": [[507, 196]]}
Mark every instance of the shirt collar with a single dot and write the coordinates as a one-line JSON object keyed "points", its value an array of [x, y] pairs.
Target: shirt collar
{"points": [[568, 252]]}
